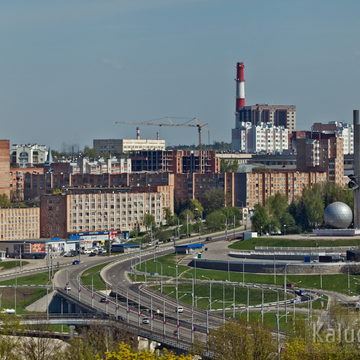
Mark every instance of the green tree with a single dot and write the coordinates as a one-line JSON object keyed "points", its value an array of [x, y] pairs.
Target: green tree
{"points": [[4, 201], [228, 166], [187, 215], [238, 340], [213, 200], [90, 152], [277, 205], [196, 208], [216, 220], [260, 220], [333, 192], [149, 221], [230, 213]]}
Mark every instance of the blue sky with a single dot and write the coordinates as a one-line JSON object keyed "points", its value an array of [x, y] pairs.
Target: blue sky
{"points": [[69, 69]]}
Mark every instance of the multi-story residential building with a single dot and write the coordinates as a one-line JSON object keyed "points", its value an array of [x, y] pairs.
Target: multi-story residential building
{"points": [[257, 186], [278, 115], [5, 167], [85, 210], [263, 137], [28, 155], [40, 184], [19, 223], [120, 146], [339, 129], [322, 152], [17, 180]]}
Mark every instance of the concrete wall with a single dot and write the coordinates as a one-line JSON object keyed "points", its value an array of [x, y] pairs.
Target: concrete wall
{"points": [[268, 268]]}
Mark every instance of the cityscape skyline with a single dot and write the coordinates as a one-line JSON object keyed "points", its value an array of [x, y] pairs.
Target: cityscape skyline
{"points": [[73, 69]]}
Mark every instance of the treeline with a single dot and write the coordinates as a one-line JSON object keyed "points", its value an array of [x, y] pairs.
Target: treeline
{"points": [[193, 216], [305, 213]]}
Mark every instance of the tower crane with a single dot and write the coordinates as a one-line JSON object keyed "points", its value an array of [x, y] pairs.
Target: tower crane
{"points": [[168, 121]]}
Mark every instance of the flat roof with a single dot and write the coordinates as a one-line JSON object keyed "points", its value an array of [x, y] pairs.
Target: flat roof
{"points": [[126, 245], [194, 246]]}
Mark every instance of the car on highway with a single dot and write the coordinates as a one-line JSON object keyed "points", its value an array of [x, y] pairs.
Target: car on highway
{"points": [[179, 309], [145, 320], [103, 300]]}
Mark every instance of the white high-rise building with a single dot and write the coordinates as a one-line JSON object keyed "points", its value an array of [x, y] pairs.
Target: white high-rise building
{"points": [[263, 137]]}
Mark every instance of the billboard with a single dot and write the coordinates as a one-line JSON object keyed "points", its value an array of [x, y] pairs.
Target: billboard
{"points": [[38, 248]]}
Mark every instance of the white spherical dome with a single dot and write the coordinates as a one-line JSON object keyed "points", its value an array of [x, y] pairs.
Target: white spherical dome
{"points": [[338, 215]]}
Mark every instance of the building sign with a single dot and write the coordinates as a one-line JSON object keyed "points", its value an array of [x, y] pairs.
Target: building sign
{"points": [[38, 248]]}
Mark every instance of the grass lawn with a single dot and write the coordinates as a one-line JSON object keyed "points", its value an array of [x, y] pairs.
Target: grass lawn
{"points": [[335, 282], [24, 297], [250, 244], [35, 279], [12, 264], [202, 295], [270, 319], [92, 276]]}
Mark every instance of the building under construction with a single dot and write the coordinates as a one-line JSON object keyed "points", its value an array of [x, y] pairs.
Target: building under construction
{"points": [[175, 161]]}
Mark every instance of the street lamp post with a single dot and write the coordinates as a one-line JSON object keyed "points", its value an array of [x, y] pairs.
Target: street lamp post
{"points": [[278, 317], [285, 292]]}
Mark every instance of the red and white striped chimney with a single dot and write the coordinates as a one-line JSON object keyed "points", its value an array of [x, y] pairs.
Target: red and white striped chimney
{"points": [[240, 86]]}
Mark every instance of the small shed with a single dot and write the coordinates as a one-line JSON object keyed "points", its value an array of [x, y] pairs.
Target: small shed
{"points": [[188, 249]]}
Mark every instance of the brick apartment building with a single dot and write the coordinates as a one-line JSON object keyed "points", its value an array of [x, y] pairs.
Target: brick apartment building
{"points": [[93, 209], [40, 184], [256, 187], [19, 223], [322, 152], [5, 167]]}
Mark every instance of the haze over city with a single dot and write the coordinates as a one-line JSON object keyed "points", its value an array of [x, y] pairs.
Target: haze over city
{"points": [[70, 69]]}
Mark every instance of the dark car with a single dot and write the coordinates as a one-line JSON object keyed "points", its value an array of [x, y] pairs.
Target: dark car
{"points": [[92, 254], [103, 300], [76, 262], [209, 238]]}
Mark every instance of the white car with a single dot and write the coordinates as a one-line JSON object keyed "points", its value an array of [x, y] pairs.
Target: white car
{"points": [[67, 288], [146, 320], [179, 309]]}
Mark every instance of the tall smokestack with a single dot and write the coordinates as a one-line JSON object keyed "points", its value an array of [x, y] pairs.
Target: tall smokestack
{"points": [[356, 123], [137, 133], [240, 86]]}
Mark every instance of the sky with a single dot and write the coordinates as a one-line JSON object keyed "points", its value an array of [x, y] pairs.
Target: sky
{"points": [[69, 69]]}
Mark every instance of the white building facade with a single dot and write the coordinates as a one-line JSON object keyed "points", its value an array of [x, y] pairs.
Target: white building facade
{"points": [[127, 145], [114, 165], [28, 155], [263, 137]]}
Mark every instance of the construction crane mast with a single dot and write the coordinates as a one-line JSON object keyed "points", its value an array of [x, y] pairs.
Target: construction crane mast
{"points": [[167, 121]]}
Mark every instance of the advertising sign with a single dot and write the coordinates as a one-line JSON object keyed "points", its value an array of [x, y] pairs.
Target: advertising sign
{"points": [[38, 248]]}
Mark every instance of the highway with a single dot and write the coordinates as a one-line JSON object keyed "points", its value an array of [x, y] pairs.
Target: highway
{"points": [[161, 311]]}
